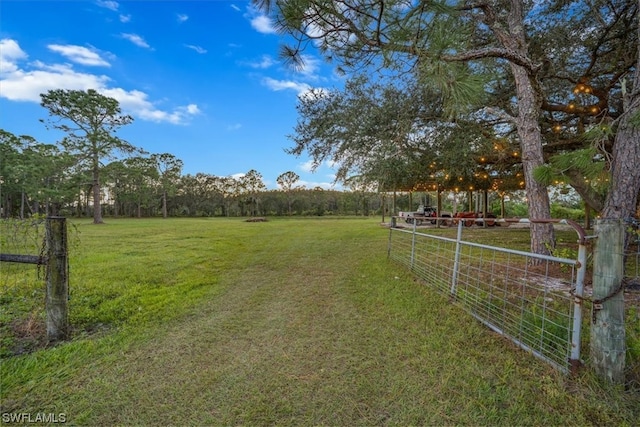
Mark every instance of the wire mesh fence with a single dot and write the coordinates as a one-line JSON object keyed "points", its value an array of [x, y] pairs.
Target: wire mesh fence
{"points": [[33, 283], [22, 290], [527, 297]]}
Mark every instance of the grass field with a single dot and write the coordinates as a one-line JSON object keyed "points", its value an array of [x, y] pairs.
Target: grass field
{"points": [[286, 322]]}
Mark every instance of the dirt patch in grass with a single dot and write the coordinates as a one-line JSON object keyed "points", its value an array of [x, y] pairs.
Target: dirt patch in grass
{"points": [[28, 335]]}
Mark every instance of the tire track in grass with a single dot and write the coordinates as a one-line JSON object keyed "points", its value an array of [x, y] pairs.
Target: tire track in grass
{"points": [[268, 349], [318, 331]]}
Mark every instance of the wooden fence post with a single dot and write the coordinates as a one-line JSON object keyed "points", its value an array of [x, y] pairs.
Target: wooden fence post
{"points": [[57, 299], [607, 331]]}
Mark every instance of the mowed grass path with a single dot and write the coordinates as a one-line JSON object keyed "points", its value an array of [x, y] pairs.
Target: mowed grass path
{"points": [[288, 322]]}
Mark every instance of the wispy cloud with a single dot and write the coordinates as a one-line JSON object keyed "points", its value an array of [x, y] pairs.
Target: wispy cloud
{"points": [[182, 18], [79, 54], [198, 49], [236, 8], [125, 18], [306, 166], [278, 85], [135, 39], [25, 82], [318, 184], [265, 61], [108, 4], [309, 67], [234, 126], [263, 24]]}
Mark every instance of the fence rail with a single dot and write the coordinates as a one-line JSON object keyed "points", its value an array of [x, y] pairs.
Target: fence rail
{"points": [[535, 300], [23, 259]]}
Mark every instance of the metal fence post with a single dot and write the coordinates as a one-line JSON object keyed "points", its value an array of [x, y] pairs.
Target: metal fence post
{"points": [[57, 298], [392, 225], [456, 262], [413, 244], [574, 360]]}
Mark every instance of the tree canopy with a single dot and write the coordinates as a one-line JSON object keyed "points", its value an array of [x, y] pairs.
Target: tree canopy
{"points": [[534, 67], [90, 121]]}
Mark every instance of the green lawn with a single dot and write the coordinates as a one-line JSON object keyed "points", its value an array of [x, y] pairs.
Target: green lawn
{"points": [[287, 322]]}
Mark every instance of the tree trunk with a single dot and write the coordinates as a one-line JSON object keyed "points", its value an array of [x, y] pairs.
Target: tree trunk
{"points": [[625, 174], [22, 197], [528, 127], [542, 235], [97, 207], [164, 204]]}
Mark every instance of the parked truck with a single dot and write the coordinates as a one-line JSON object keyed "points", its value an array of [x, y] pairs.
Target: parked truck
{"points": [[425, 213]]}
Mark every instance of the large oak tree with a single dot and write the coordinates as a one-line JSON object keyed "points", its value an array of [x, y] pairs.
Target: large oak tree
{"points": [[495, 35]]}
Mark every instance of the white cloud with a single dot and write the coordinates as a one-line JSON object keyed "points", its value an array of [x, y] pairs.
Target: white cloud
{"points": [[108, 4], [198, 49], [182, 18], [79, 54], [192, 109], [26, 83], [310, 185], [135, 39], [236, 8], [234, 126], [137, 102], [10, 53], [125, 18], [313, 93], [265, 62], [310, 66], [306, 166], [263, 24], [278, 85]]}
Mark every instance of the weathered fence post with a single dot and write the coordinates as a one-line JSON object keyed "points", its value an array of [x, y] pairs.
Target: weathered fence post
{"points": [[607, 331], [57, 298]]}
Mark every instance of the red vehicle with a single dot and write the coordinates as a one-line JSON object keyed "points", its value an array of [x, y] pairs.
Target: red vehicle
{"points": [[470, 218]]}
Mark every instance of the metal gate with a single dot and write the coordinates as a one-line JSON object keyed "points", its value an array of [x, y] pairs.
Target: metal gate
{"points": [[535, 300]]}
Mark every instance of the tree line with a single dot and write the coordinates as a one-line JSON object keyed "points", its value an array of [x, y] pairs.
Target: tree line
{"points": [[92, 172]]}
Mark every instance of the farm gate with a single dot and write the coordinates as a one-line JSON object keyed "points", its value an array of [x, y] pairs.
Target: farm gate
{"points": [[534, 300]]}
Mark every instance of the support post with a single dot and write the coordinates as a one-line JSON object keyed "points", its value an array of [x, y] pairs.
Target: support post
{"points": [[413, 243], [607, 332], [57, 298], [456, 262], [576, 330]]}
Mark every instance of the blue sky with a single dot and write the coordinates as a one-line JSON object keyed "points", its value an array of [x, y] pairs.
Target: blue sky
{"points": [[202, 79]]}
